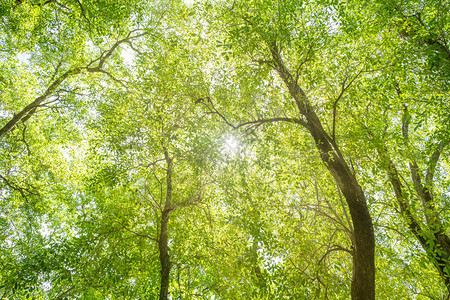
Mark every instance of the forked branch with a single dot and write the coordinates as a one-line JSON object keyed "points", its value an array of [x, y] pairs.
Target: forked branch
{"points": [[344, 88]]}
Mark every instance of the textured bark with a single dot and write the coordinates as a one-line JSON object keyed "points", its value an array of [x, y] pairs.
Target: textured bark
{"points": [[363, 279], [164, 257]]}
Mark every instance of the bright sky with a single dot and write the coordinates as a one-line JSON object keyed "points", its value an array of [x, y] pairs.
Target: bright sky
{"points": [[231, 144]]}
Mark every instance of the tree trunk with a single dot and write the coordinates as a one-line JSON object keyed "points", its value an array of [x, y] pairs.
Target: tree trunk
{"points": [[442, 261], [363, 278], [164, 257]]}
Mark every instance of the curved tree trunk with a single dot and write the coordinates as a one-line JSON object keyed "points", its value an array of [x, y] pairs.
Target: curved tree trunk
{"points": [[363, 279]]}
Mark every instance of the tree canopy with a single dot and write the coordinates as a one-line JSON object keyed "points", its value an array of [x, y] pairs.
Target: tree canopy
{"points": [[250, 149]]}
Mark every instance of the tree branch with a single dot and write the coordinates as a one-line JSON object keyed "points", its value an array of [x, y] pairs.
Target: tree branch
{"points": [[423, 192], [336, 248], [399, 192], [253, 124], [137, 234], [344, 88], [84, 14], [23, 191], [304, 61], [30, 109]]}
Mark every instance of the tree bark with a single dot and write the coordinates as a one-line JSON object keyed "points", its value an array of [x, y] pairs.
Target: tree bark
{"points": [[363, 278], [164, 257]]}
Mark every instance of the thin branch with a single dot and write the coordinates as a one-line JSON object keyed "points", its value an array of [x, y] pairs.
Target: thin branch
{"points": [[433, 162], [24, 139], [300, 270], [423, 192], [112, 77], [391, 228], [65, 292], [272, 120], [137, 234], [18, 2], [336, 248], [23, 191], [84, 14], [46, 104], [107, 54], [400, 194], [344, 88], [209, 104], [305, 60], [156, 204], [188, 202], [130, 44], [56, 70]]}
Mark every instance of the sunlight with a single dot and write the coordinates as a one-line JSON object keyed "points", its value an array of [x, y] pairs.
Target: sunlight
{"points": [[231, 145], [128, 55]]}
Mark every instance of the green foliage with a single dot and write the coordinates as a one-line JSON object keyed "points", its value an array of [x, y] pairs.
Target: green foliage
{"points": [[255, 214]]}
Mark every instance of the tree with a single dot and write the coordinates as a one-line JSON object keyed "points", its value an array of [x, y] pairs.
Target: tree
{"points": [[413, 61], [264, 32], [153, 129], [223, 150]]}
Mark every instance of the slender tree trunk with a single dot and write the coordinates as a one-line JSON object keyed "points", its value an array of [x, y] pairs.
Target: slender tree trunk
{"points": [[431, 235], [442, 262], [164, 257], [363, 279]]}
